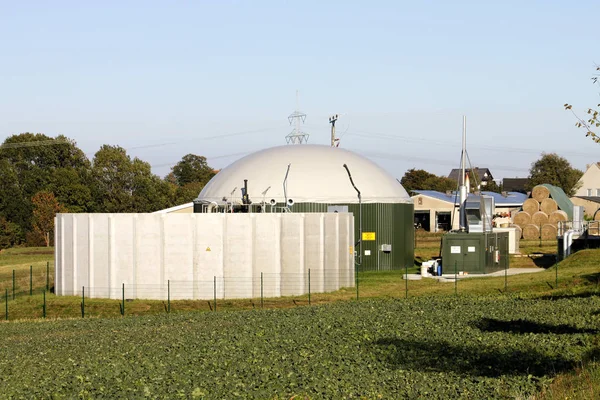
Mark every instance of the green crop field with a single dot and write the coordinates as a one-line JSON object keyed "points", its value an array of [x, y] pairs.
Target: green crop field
{"points": [[533, 339], [428, 347]]}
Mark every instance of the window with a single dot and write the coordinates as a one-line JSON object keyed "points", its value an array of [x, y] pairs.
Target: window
{"points": [[589, 192], [597, 192]]}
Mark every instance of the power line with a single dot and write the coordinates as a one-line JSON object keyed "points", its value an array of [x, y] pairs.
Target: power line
{"points": [[374, 135]]}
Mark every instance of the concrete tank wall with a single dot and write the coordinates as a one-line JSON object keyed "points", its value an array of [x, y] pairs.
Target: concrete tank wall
{"points": [[202, 255]]}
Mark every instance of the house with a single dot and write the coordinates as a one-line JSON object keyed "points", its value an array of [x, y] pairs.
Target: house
{"points": [[591, 205], [437, 211], [515, 184], [590, 182], [480, 175]]}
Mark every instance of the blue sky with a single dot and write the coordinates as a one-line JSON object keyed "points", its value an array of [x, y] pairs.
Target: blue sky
{"points": [[219, 78]]}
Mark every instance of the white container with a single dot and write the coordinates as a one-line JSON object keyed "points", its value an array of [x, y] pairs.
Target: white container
{"points": [[424, 267]]}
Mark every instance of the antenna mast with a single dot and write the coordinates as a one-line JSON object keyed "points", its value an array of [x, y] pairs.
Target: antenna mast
{"points": [[463, 188], [297, 136], [332, 120]]}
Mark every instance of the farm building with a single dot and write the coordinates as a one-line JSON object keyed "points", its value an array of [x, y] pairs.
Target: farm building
{"points": [[312, 178], [437, 211], [589, 183]]}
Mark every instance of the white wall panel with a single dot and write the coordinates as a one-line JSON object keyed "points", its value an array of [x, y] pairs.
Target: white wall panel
{"points": [[314, 249], [293, 276], [145, 251]]}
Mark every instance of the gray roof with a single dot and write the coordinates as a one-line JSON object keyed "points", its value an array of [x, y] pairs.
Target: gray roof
{"points": [[455, 173], [512, 199], [595, 199], [514, 184]]}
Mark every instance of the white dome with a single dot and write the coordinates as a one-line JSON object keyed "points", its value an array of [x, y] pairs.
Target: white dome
{"points": [[316, 175]]}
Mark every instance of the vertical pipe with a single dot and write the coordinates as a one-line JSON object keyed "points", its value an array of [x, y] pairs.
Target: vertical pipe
{"points": [[123, 301], [31, 280], [261, 290], [215, 292], [44, 307], [309, 286], [47, 275], [13, 284], [169, 296], [455, 279], [83, 302]]}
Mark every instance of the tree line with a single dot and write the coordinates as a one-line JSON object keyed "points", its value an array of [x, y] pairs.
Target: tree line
{"points": [[41, 175], [549, 168]]}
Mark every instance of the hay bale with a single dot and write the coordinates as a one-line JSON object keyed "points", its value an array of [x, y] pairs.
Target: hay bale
{"points": [[540, 193], [531, 206], [548, 206], [539, 218], [518, 230], [556, 216], [522, 218], [531, 232], [549, 232], [594, 229]]}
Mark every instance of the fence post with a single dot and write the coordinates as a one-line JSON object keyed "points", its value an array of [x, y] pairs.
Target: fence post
{"points": [[455, 279], [31, 280], [83, 302], [406, 281], [356, 279], [47, 275], [123, 301], [215, 292], [261, 290], [309, 286], [13, 284], [169, 296], [506, 278], [44, 307], [6, 310]]}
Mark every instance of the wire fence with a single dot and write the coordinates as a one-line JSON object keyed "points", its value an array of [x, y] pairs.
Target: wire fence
{"points": [[29, 292]]}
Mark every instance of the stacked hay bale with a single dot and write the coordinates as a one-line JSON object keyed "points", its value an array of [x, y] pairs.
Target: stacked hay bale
{"points": [[540, 215]]}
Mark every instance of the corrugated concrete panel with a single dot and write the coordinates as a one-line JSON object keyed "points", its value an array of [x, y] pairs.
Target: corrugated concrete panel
{"points": [[191, 252]]}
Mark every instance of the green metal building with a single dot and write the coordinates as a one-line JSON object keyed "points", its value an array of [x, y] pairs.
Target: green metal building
{"points": [[474, 253], [312, 178]]}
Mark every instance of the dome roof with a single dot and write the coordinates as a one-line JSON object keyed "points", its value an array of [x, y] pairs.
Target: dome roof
{"points": [[316, 175]]}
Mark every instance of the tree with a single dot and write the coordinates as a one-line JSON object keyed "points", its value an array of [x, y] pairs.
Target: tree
{"points": [[593, 121], [555, 170], [125, 185], [192, 168], [30, 163], [45, 207], [187, 193], [492, 186], [10, 233], [418, 179]]}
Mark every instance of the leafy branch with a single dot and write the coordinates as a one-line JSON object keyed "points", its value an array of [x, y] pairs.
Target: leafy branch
{"points": [[593, 122]]}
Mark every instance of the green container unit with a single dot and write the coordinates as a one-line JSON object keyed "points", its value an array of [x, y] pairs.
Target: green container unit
{"points": [[392, 225], [474, 253]]}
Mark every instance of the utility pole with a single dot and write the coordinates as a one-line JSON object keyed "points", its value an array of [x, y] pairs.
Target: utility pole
{"points": [[332, 120]]}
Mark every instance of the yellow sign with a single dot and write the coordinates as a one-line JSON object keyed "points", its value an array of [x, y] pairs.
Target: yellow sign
{"points": [[351, 248], [208, 249], [368, 236]]}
